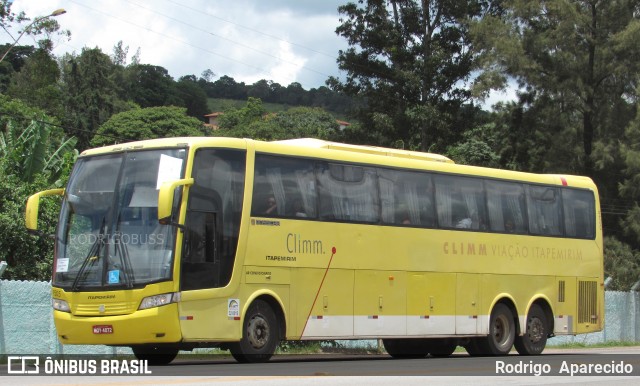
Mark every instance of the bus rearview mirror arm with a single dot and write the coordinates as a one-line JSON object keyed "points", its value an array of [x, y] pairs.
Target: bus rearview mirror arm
{"points": [[165, 201]]}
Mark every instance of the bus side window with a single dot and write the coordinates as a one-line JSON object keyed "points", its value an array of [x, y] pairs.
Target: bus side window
{"points": [[543, 203], [579, 216], [506, 207], [347, 193], [460, 202], [284, 187], [406, 198]]}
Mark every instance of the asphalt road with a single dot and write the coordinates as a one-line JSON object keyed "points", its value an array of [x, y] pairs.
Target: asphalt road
{"points": [[618, 365]]}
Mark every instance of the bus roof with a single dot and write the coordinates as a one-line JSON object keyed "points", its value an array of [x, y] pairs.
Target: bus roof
{"points": [[321, 144], [347, 151]]}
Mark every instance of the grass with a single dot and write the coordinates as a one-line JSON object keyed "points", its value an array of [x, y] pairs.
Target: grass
{"points": [[595, 345]]}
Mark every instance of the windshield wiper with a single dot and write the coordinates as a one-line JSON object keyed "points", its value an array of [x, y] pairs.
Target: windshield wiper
{"points": [[93, 255], [123, 251]]}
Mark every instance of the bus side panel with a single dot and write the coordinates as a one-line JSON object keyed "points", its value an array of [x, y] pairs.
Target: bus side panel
{"points": [[206, 318], [322, 303], [431, 304], [467, 303], [380, 303], [519, 289]]}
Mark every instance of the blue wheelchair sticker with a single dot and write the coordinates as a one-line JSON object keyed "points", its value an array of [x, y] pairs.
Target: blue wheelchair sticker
{"points": [[114, 277]]}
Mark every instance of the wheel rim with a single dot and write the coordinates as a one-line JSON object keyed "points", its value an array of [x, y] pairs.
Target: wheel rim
{"points": [[501, 331], [258, 332], [535, 330]]}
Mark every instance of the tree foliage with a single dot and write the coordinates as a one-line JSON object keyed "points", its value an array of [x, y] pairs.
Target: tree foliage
{"points": [[91, 95], [621, 263], [37, 82], [147, 123], [408, 60], [253, 121], [30, 161], [578, 59]]}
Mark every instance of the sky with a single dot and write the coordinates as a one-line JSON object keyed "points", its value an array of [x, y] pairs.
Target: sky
{"points": [[281, 40]]}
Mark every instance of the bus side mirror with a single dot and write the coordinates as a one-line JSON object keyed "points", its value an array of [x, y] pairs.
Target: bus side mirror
{"points": [[33, 206], [165, 198]]}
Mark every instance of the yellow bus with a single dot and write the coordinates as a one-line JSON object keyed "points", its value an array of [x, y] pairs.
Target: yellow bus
{"points": [[172, 244]]}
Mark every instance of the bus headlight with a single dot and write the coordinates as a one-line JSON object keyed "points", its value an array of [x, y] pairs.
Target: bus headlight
{"points": [[60, 305], [159, 300]]}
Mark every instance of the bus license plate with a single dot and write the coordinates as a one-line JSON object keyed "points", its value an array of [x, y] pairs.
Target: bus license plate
{"points": [[106, 329]]}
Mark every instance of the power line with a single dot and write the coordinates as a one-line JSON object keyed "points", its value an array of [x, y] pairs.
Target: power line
{"points": [[167, 36], [252, 29], [227, 39]]}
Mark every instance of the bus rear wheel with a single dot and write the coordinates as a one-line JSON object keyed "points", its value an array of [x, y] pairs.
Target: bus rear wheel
{"points": [[533, 341], [260, 335], [406, 348], [155, 355]]}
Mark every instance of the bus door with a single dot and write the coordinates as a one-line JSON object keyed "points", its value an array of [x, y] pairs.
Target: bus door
{"points": [[210, 240]]}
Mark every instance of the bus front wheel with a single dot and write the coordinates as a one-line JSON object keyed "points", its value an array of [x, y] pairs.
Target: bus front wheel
{"points": [[533, 341], [406, 348], [502, 331], [155, 355], [260, 335], [441, 347]]}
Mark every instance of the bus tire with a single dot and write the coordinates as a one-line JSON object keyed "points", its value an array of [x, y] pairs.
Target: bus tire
{"points": [[260, 335], [441, 347], [534, 339], [155, 355], [406, 348], [502, 331], [475, 347]]}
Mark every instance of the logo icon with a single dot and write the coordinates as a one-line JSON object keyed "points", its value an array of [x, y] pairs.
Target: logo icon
{"points": [[21, 365]]}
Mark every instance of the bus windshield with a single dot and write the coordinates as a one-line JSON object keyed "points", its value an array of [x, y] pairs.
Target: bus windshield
{"points": [[109, 235]]}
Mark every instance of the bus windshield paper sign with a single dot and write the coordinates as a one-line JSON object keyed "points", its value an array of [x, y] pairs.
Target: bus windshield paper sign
{"points": [[168, 170]]}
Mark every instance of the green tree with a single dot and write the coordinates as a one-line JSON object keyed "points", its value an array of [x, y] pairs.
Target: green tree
{"points": [[630, 186], [192, 97], [479, 147], [12, 63], [151, 86], [577, 59], [621, 263], [90, 92], [28, 257], [36, 83], [147, 123], [234, 119], [252, 121], [408, 60], [30, 161]]}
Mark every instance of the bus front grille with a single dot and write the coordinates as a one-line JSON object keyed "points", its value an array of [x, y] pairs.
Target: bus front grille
{"points": [[104, 309]]}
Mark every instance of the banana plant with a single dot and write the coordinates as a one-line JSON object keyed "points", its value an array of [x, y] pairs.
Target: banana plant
{"points": [[30, 152]]}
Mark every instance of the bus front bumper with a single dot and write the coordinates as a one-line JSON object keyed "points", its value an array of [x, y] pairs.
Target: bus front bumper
{"points": [[154, 325]]}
